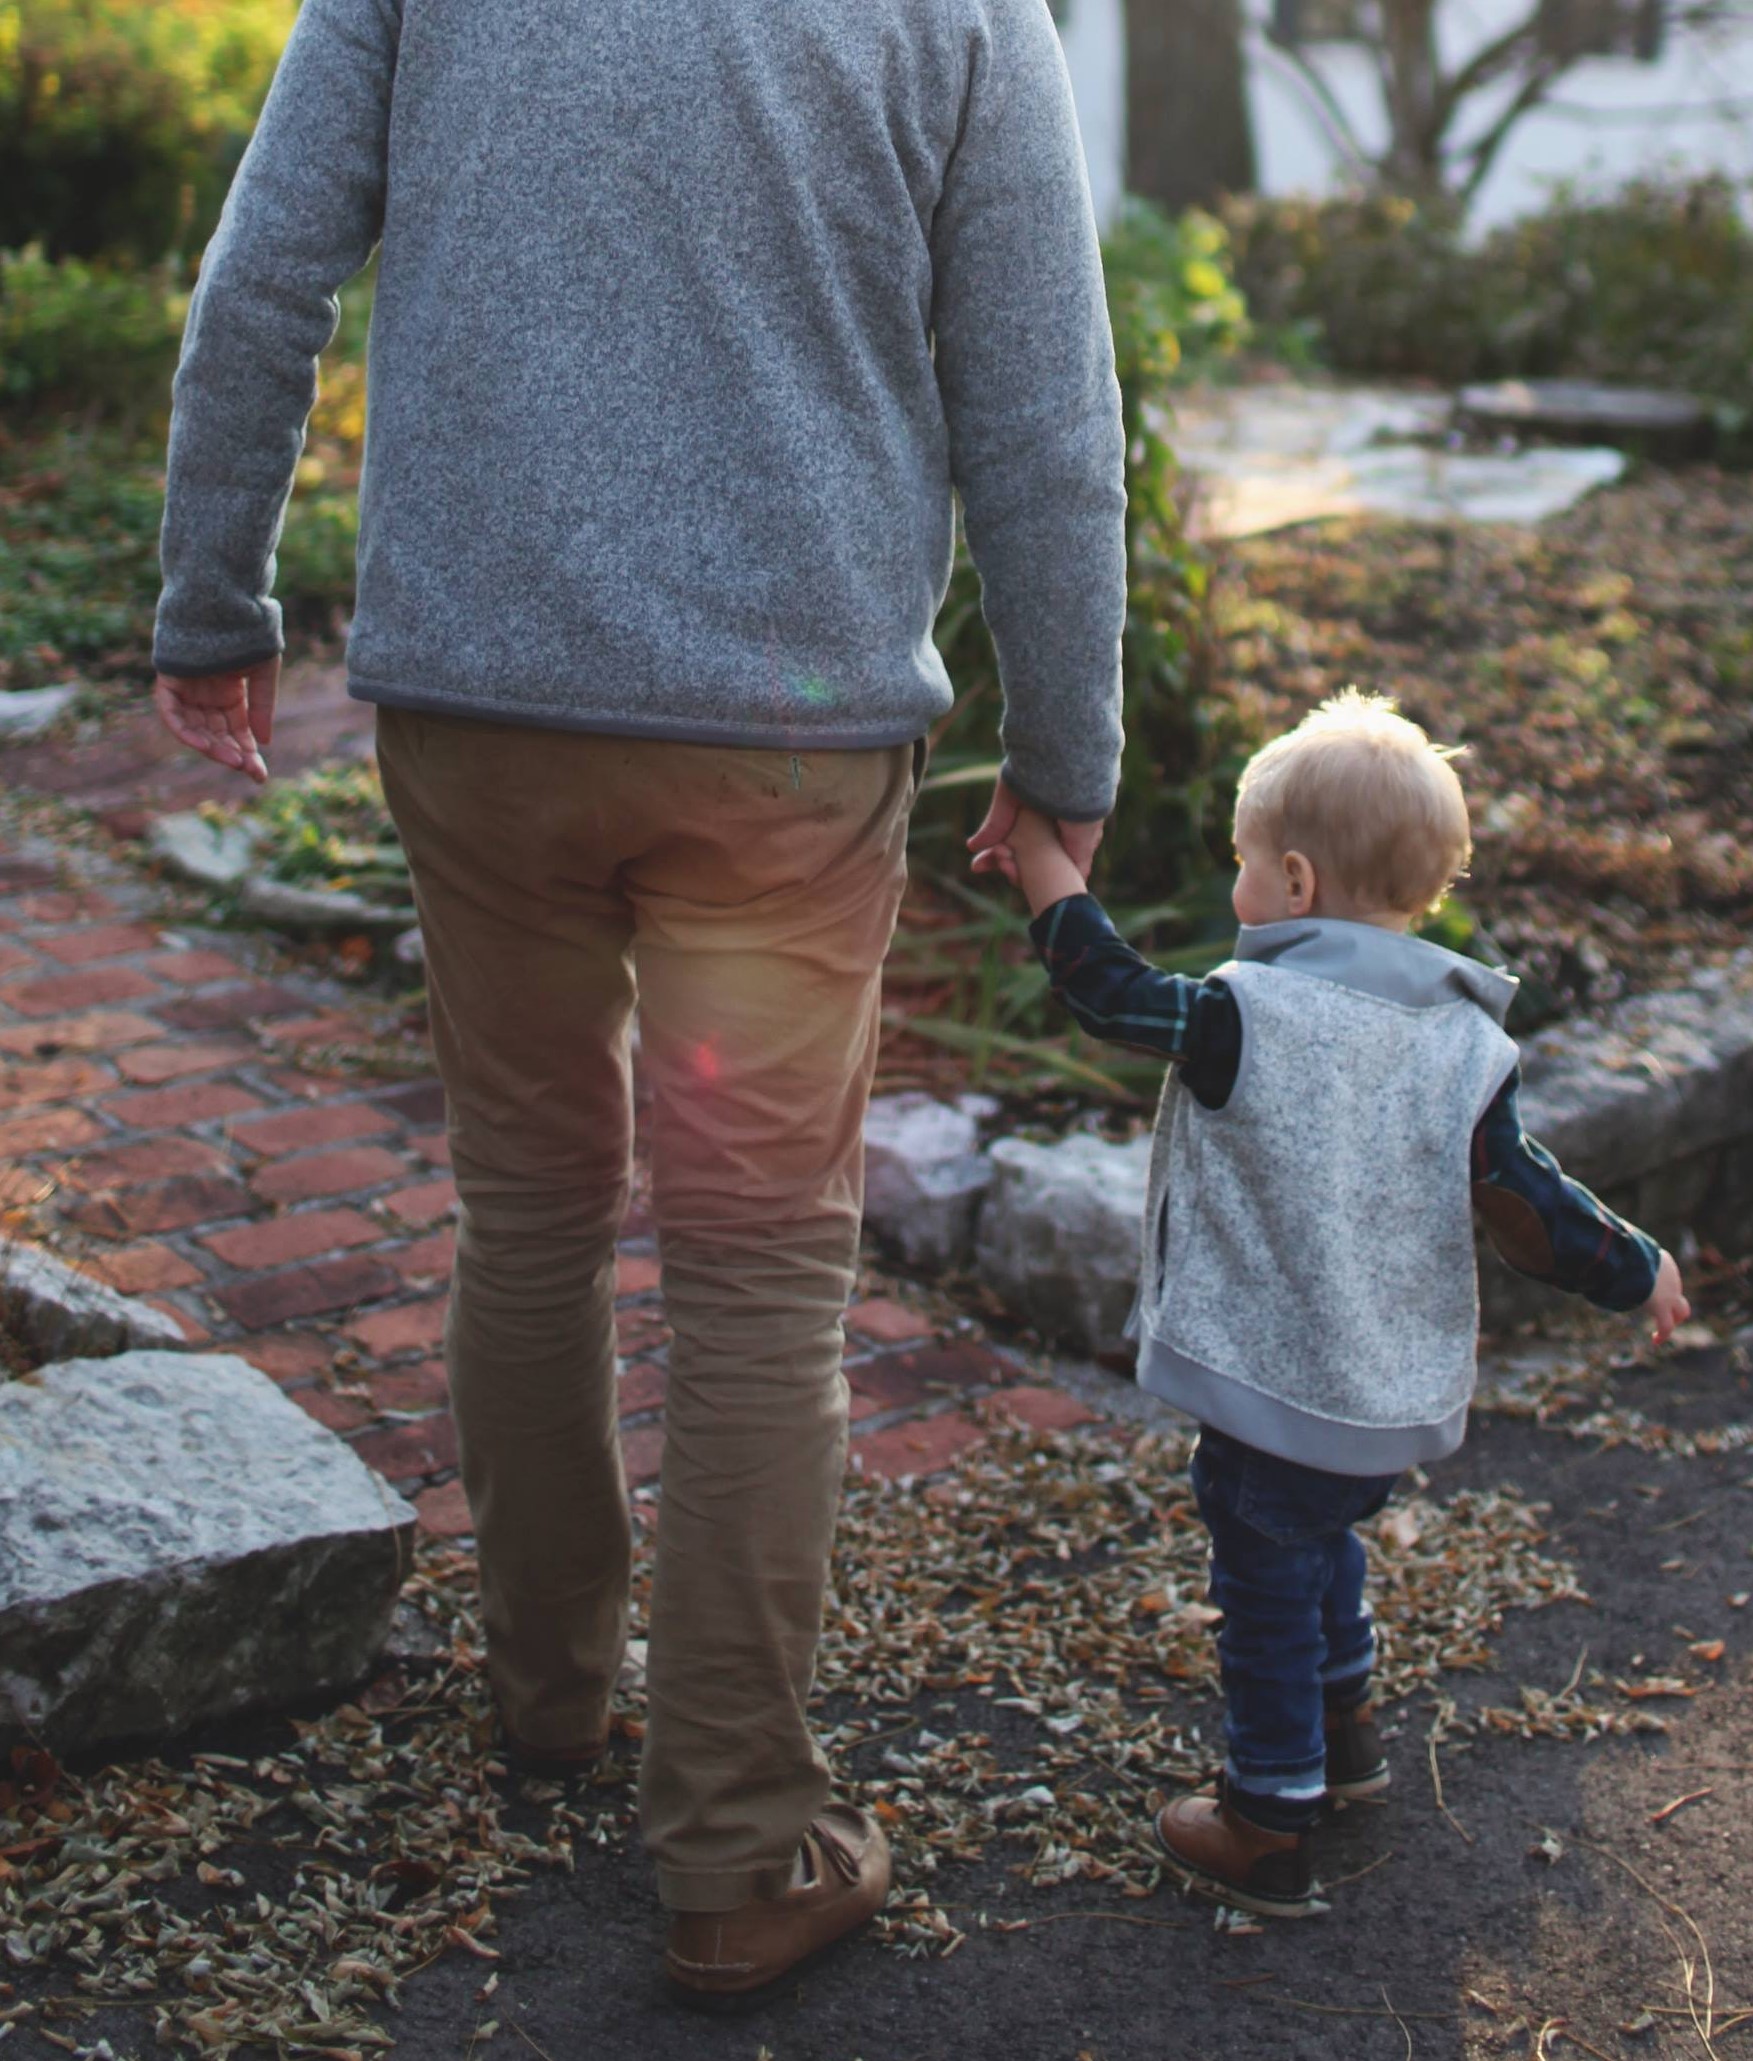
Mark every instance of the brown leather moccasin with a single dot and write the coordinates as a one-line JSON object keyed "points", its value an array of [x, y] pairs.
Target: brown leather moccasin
{"points": [[732, 1960]]}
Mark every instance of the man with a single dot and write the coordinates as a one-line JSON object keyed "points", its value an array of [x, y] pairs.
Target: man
{"points": [[689, 316]]}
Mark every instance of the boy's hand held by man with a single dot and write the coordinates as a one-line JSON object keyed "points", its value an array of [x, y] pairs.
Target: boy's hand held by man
{"points": [[1667, 1307]]}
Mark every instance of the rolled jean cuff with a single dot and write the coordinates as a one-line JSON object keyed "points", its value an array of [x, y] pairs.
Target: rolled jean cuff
{"points": [[1354, 1667], [1273, 1810], [697, 1889], [1285, 1785]]}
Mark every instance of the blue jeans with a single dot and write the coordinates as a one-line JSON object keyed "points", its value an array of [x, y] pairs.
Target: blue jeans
{"points": [[1287, 1572]]}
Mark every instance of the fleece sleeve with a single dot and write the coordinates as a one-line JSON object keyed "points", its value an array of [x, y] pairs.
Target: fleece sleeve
{"points": [[304, 214], [1025, 365]]}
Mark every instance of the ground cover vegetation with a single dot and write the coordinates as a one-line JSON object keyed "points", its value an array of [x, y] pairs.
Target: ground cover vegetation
{"points": [[1600, 670]]}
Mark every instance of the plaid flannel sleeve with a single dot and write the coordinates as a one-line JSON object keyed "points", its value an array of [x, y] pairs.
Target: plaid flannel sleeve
{"points": [[1548, 1226], [1117, 994]]}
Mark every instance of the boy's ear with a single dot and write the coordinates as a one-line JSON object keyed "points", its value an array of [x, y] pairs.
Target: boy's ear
{"points": [[1299, 883]]}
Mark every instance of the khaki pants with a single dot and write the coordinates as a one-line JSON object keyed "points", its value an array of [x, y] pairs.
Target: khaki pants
{"points": [[747, 897]]}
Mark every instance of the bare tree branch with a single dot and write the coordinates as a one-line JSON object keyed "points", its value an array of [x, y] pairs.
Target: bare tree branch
{"points": [[1503, 53], [1341, 131], [1481, 154]]}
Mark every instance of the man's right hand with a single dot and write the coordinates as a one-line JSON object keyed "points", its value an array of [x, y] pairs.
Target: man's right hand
{"points": [[226, 717]]}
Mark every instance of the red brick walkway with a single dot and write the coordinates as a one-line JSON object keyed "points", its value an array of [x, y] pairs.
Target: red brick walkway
{"points": [[180, 1126]]}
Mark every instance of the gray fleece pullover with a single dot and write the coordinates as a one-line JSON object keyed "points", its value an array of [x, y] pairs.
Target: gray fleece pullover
{"points": [[689, 316]]}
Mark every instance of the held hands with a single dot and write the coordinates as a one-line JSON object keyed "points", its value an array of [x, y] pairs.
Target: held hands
{"points": [[226, 717], [1667, 1306], [1048, 859]]}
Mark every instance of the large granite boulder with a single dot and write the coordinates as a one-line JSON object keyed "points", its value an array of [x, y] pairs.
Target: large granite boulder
{"points": [[1058, 1237], [924, 1175], [179, 1541], [63, 1315]]}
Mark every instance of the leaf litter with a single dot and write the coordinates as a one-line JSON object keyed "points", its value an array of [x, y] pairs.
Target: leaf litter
{"points": [[1017, 1656]]}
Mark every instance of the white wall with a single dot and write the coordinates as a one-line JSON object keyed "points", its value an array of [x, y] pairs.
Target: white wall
{"points": [[1613, 118], [1094, 35]]}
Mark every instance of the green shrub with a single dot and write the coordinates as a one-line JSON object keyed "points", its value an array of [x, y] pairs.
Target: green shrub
{"points": [[121, 121], [1652, 283], [86, 337]]}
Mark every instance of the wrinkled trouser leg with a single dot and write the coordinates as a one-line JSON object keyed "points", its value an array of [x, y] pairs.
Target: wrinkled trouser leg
{"points": [[530, 988], [756, 892]]}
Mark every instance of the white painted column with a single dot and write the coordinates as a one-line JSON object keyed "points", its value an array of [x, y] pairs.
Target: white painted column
{"points": [[1094, 35]]}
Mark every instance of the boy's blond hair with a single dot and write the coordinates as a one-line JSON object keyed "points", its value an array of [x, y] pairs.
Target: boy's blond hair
{"points": [[1367, 797]]}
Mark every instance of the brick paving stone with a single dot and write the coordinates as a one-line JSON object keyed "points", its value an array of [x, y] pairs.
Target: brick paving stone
{"points": [[330, 1027], [262, 1301], [636, 1274], [959, 1365], [641, 1388], [86, 989], [81, 905], [103, 1030], [414, 1327], [402, 1451], [290, 1356], [427, 1259], [254, 1001], [642, 1452], [889, 1323], [150, 1066], [640, 1330], [296, 1130], [342, 1413], [424, 1203], [148, 1159], [888, 1384], [433, 1147], [191, 1102], [17, 873], [309, 1083], [326, 1173], [15, 960], [191, 969], [174, 1205], [135, 1268], [1043, 1409], [193, 1330], [444, 1511], [419, 1104], [47, 1130], [284, 1239], [411, 1391], [103, 941], [926, 1446], [53, 1080]]}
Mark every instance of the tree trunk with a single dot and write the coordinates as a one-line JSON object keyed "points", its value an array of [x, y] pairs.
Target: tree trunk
{"points": [[1410, 83], [1188, 133]]}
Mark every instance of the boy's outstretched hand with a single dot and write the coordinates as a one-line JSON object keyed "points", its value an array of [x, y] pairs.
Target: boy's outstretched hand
{"points": [[1667, 1306]]}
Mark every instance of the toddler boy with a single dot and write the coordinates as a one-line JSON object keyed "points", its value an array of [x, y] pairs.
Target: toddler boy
{"points": [[1343, 1095]]}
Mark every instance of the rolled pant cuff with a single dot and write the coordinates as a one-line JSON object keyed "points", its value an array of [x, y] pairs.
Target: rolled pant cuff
{"points": [[1272, 1812]]}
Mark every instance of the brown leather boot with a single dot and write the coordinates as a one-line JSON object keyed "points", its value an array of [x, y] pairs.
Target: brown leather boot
{"points": [[731, 1960], [1356, 1764], [1218, 1852]]}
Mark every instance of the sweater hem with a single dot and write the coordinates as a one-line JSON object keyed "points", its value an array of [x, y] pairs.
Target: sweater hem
{"points": [[1274, 1426], [876, 735]]}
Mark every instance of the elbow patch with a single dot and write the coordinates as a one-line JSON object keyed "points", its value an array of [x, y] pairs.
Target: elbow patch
{"points": [[1515, 1228]]}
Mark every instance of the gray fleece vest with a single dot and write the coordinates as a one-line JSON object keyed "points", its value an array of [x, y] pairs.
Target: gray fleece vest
{"points": [[1309, 1283]]}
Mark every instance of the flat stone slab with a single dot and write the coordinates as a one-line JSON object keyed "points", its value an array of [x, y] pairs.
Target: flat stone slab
{"points": [[33, 711], [177, 1542], [62, 1314], [1588, 411], [210, 854], [1268, 457]]}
